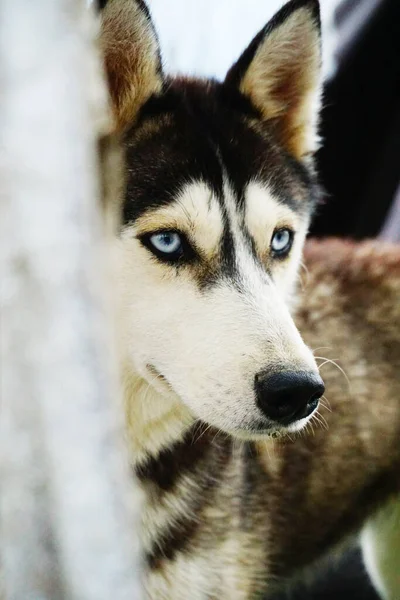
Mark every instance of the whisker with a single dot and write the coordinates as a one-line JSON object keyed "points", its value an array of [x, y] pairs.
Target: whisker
{"points": [[302, 285], [324, 420], [197, 429], [319, 419], [326, 400], [289, 437], [325, 403], [206, 427], [302, 433], [217, 433], [324, 358], [305, 431], [315, 420], [321, 348], [306, 271], [270, 448], [332, 362]]}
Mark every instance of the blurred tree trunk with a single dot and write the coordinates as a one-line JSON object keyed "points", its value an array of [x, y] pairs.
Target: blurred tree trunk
{"points": [[67, 525]]}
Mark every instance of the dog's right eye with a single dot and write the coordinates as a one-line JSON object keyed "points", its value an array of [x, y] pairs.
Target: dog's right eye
{"points": [[168, 245], [167, 242]]}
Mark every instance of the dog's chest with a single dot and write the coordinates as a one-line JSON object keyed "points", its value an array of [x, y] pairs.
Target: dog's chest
{"points": [[199, 525], [221, 574]]}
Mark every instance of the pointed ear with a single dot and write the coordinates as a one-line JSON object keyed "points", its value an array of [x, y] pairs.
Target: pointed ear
{"points": [[132, 56], [280, 73]]}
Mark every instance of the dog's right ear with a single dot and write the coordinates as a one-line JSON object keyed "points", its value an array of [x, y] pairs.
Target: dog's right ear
{"points": [[132, 56]]}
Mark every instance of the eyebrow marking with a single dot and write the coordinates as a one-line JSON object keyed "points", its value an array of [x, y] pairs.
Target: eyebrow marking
{"points": [[195, 212], [264, 213]]}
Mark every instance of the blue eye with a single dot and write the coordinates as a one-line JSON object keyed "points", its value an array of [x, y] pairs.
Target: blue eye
{"points": [[281, 242], [168, 246], [167, 242]]}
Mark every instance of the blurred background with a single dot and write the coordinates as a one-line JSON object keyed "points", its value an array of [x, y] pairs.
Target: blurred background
{"points": [[359, 162]]}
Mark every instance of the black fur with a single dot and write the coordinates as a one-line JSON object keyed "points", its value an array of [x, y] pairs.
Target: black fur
{"points": [[173, 462], [204, 459], [207, 137], [176, 539], [209, 132]]}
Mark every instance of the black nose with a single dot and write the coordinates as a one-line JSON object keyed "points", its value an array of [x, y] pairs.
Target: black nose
{"points": [[288, 397]]}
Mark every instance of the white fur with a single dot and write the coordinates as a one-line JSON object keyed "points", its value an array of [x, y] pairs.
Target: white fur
{"points": [[208, 345], [264, 214]]}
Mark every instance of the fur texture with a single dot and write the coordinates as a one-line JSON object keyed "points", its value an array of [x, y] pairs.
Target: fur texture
{"points": [[132, 57], [238, 502], [280, 73], [232, 519]]}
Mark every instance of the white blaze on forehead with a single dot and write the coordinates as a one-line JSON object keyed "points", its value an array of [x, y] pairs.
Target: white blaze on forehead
{"points": [[262, 215], [208, 346], [247, 269], [195, 211]]}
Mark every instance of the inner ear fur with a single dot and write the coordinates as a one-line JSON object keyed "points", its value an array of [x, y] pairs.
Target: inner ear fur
{"points": [[280, 72], [132, 57]]}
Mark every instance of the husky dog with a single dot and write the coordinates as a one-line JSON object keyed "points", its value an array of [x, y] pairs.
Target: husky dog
{"points": [[220, 190]]}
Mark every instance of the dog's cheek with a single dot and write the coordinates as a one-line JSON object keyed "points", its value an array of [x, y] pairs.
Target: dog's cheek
{"points": [[153, 302]]}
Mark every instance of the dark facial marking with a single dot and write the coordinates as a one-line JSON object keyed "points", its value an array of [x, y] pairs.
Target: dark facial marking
{"points": [[212, 132], [160, 165], [208, 132], [205, 461]]}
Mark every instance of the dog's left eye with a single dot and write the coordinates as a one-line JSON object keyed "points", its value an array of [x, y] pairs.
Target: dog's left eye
{"points": [[166, 245], [281, 242]]}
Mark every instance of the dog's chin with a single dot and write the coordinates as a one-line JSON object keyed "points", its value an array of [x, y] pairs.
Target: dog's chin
{"points": [[262, 431], [248, 435]]}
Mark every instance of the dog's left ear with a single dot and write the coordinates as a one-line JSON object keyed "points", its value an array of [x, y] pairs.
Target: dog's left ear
{"points": [[280, 73]]}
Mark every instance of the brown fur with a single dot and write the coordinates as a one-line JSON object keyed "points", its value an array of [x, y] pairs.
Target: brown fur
{"points": [[254, 515], [336, 474]]}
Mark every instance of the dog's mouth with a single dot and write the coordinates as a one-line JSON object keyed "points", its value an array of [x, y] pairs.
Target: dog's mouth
{"points": [[261, 428], [254, 430]]}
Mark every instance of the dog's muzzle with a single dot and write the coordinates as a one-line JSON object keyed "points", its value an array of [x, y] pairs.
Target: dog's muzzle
{"points": [[289, 396]]}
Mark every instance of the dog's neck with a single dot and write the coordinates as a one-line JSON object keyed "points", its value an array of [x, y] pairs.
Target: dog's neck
{"points": [[153, 420]]}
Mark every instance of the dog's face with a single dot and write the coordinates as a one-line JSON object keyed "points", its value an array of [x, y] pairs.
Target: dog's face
{"points": [[220, 191]]}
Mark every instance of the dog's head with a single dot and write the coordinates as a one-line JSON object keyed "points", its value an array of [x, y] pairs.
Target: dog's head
{"points": [[220, 191]]}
